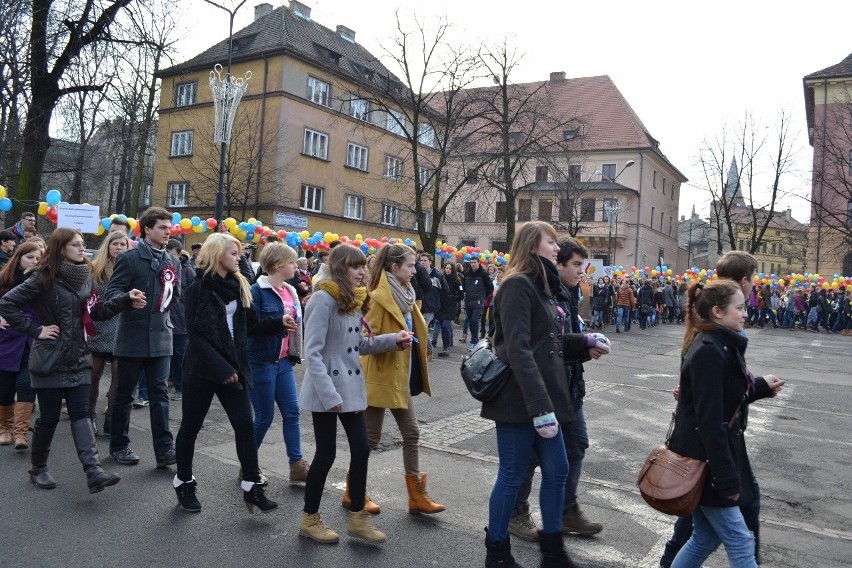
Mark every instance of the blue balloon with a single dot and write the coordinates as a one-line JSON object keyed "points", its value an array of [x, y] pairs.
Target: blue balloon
{"points": [[195, 221], [364, 248], [5, 204], [106, 222], [175, 218], [52, 198], [122, 217]]}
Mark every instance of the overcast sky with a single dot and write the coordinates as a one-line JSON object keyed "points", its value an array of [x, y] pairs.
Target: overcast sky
{"points": [[686, 67]]}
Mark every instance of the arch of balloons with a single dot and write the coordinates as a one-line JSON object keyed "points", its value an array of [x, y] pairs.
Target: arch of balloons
{"points": [[775, 281]]}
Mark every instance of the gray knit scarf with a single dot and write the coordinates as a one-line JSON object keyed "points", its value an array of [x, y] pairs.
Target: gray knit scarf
{"points": [[76, 275], [402, 293]]}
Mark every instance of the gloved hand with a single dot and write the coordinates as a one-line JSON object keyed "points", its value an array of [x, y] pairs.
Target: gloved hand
{"points": [[546, 425], [598, 341]]}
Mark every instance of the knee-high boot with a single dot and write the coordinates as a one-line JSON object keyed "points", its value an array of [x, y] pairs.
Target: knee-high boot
{"points": [[23, 414], [7, 414], [39, 475], [87, 450]]}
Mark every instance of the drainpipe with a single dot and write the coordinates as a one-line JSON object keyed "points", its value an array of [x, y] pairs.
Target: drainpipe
{"points": [[260, 148], [639, 207], [822, 174]]}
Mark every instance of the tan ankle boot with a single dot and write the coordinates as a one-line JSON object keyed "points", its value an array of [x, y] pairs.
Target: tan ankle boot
{"points": [[23, 414], [7, 414], [574, 521], [369, 505], [361, 527], [313, 528], [418, 500], [299, 472]]}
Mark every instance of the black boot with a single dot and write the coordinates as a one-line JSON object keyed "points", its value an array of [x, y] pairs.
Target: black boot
{"points": [[255, 497], [553, 553], [87, 450], [186, 495], [499, 553], [105, 428], [42, 438]]}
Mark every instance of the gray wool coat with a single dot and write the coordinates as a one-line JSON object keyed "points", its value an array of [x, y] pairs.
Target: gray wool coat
{"points": [[332, 347]]}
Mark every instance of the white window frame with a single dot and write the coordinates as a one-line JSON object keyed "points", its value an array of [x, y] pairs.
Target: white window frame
{"points": [[390, 214], [185, 93], [357, 156], [181, 143], [311, 198], [315, 144], [359, 109], [319, 91], [178, 188], [426, 134], [393, 167], [396, 122], [426, 175], [427, 221], [353, 207]]}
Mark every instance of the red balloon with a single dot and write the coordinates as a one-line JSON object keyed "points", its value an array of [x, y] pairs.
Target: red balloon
{"points": [[52, 214]]}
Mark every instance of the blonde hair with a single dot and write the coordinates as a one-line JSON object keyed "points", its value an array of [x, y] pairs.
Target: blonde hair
{"points": [[275, 253], [214, 248], [103, 264], [524, 260]]}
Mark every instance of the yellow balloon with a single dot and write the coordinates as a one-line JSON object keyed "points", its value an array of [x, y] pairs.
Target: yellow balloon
{"points": [[42, 208], [328, 237], [132, 223], [100, 230], [230, 222], [185, 224], [2, 192], [358, 237], [252, 220], [196, 228], [256, 238], [304, 235]]}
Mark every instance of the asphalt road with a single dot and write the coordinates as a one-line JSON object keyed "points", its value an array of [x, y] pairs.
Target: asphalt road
{"points": [[799, 444]]}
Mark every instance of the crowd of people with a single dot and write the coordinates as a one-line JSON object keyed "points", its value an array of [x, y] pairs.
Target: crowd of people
{"points": [[365, 329]]}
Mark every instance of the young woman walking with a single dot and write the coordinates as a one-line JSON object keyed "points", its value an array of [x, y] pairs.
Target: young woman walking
{"points": [[272, 358], [395, 377], [101, 343], [219, 317], [15, 347], [60, 292], [333, 387], [714, 383]]}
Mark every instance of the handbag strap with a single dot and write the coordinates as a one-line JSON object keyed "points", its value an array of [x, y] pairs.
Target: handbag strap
{"points": [[674, 416]]}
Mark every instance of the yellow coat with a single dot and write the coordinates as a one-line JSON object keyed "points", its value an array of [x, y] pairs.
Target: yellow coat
{"points": [[387, 374]]}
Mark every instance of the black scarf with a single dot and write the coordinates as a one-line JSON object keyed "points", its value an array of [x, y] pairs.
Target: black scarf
{"points": [[76, 275], [228, 288], [551, 276], [20, 277]]}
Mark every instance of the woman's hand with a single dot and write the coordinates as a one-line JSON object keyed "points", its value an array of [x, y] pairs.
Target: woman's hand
{"points": [[232, 379], [49, 332], [775, 384], [289, 323], [137, 299], [676, 393], [3, 324], [336, 408], [404, 339], [735, 497]]}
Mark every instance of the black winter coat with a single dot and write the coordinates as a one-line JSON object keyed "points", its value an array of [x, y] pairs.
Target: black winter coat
{"points": [[212, 353], [529, 337], [477, 287], [714, 383]]}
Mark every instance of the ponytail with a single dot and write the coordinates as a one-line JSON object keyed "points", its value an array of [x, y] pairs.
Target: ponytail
{"points": [[700, 301]]}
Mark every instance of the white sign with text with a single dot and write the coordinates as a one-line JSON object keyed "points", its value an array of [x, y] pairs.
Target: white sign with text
{"points": [[84, 218]]}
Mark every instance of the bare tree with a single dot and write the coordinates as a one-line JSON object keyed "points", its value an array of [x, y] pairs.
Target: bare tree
{"points": [[14, 85]]}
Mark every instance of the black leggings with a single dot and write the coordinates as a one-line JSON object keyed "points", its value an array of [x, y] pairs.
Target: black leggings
{"points": [[197, 396], [325, 432], [50, 404]]}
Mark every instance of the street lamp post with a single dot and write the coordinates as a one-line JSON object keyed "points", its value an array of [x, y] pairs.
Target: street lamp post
{"points": [[227, 94], [611, 207]]}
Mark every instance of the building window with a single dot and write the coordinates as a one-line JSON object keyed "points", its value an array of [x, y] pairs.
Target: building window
{"points": [[319, 91], [608, 171], [470, 212], [566, 210], [653, 213], [655, 178], [500, 246], [390, 214], [356, 156], [850, 162], [541, 173], [178, 194], [670, 225], [773, 248], [359, 109], [353, 207], [662, 216], [608, 203], [569, 134], [763, 248], [762, 266], [780, 248], [396, 123], [672, 192], [427, 222], [742, 244], [545, 210], [316, 144], [574, 172], [393, 167], [661, 255], [467, 243], [500, 212], [501, 171], [524, 209], [790, 239], [471, 175], [426, 176], [182, 143], [185, 94], [789, 260], [426, 134], [587, 209], [664, 186], [848, 215], [311, 198]]}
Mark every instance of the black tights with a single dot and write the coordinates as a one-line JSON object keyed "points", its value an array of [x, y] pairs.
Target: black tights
{"points": [[325, 432]]}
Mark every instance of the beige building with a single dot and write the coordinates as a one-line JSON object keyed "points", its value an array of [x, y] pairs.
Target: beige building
{"points": [[307, 152], [606, 157]]}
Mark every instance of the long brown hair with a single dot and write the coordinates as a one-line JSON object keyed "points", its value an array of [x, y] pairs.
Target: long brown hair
{"points": [[54, 256], [7, 274], [387, 256], [343, 257], [700, 301], [524, 260], [103, 264]]}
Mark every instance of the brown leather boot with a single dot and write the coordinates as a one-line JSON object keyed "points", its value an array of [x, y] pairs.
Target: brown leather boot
{"points": [[361, 527], [418, 500], [299, 472], [23, 414], [7, 414], [369, 505]]}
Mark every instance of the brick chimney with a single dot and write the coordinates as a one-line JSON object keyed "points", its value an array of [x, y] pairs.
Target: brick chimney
{"points": [[346, 33], [261, 10], [557, 76], [301, 10]]}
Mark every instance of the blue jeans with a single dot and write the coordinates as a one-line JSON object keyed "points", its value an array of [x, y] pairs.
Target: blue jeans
{"points": [[597, 317], [445, 329], [623, 314], [473, 315], [515, 443], [712, 526], [275, 384], [840, 323], [814, 317], [179, 342]]}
